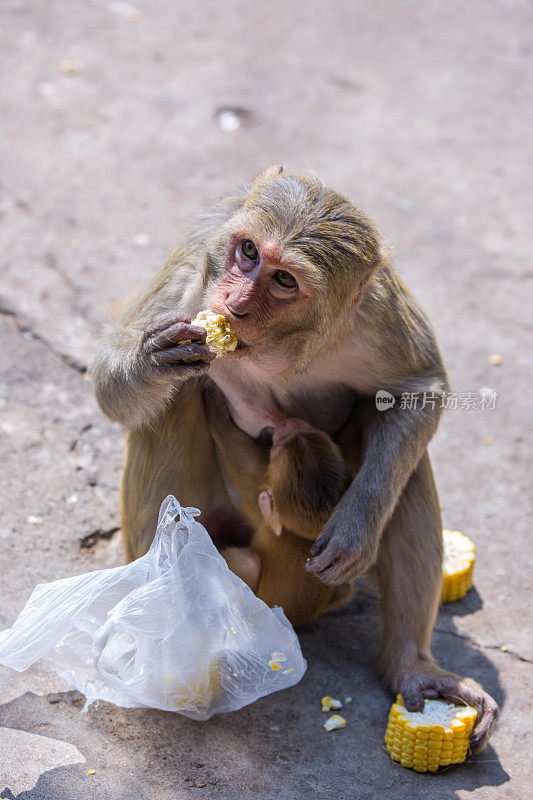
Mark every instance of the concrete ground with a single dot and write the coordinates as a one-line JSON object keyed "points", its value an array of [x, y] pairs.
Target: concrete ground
{"points": [[118, 122]]}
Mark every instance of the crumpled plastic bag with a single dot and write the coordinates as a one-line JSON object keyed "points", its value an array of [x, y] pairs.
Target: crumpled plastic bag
{"points": [[174, 630]]}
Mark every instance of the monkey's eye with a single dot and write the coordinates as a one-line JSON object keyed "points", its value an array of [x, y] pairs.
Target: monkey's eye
{"points": [[285, 279], [249, 250]]}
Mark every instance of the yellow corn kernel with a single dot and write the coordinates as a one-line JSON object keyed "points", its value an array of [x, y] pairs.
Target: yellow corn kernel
{"points": [[458, 565], [329, 703], [334, 722], [426, 740], [219, 333], [200, 690]]}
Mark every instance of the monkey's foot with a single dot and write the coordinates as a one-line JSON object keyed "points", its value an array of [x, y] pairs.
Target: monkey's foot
{"points": [[432, 682]]}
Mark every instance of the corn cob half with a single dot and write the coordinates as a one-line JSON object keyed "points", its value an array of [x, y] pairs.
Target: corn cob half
{"points": [[426, 740], [457, 566], [219, 333]]}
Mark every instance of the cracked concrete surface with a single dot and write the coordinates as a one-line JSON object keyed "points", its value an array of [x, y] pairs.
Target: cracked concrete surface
{"points": [[421, 113]]}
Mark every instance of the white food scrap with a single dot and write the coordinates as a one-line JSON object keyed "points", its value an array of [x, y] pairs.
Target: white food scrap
{"points": [[329, 703], [277, 660], [334, 722]]}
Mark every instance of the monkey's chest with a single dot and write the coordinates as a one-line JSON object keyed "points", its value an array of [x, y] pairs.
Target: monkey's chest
{"points": [[325, 407], [254, 407]]}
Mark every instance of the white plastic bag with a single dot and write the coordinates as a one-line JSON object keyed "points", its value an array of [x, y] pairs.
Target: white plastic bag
{"points": [[175, 630]]}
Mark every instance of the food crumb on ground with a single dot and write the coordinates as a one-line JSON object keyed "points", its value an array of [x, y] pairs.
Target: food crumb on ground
{"points": [[329, 703], [334, 722]]}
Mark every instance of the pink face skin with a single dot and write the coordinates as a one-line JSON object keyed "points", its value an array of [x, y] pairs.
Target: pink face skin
{"points": [[259, 287]]}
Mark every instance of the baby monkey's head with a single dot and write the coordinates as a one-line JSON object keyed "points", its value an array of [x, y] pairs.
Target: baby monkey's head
{"points": [[305, 480]]}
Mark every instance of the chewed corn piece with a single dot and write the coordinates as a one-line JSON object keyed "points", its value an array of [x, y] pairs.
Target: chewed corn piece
{"points": [[218, 331], [334, 722], [274, 665], [458, 565], [329, 703], [426, 740]]}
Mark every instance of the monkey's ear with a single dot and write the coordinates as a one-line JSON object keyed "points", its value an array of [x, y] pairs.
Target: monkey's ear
{"points": [[269, 172], [382, 254], [266, 504]]}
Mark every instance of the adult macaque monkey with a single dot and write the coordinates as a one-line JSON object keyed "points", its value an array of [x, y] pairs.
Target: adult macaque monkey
{"points": [[323, 323]]}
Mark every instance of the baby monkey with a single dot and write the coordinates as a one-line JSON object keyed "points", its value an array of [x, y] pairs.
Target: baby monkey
{"points": [[305, 478]]}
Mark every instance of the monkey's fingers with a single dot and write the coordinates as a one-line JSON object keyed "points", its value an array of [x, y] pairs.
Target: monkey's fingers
{"points": [[164, 321], [321, 542], [487, 709], [173, 335], [186, 354], [334, 565], [415, 685]]}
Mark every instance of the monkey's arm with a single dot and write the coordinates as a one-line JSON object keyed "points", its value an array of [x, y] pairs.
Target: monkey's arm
{"points": [[139, 365], [394, 439], [137, 372], [140, 362]]}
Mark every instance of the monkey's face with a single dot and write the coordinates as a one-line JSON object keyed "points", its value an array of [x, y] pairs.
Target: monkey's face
{"points": [[266, 295], [288, 268]]}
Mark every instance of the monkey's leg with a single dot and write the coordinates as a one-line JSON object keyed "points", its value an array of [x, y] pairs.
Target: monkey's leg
{"points": [[246, 563], [283, 581], [409, 571], [175, 456]]}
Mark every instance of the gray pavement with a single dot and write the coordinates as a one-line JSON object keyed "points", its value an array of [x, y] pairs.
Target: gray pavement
{"points": [[112, 133]]}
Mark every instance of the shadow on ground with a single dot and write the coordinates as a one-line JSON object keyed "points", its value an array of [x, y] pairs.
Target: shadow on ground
{"points": [[271, 749]]}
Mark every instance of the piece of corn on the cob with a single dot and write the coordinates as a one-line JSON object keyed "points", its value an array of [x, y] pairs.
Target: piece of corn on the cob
{"points": [[426, 740], [218, 330], [457, 566]]}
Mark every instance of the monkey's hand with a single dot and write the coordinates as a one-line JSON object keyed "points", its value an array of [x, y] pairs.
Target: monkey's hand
{"points": [[164, 349], [345, 549], [430, 681]]}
